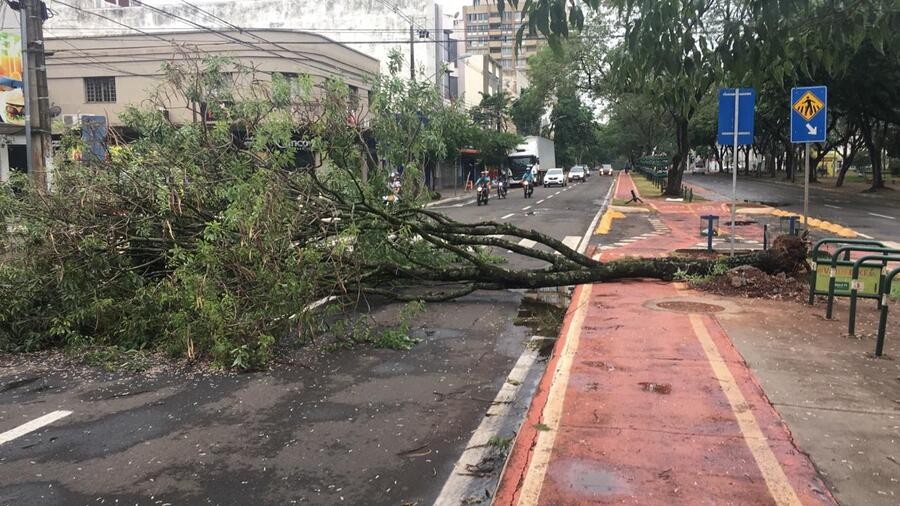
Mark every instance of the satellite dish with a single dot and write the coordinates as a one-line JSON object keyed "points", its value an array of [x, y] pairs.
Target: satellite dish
{"points": [[55, 111]]}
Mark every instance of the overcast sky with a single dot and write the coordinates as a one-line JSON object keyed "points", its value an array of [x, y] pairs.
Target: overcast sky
{"points": [[451, 6]]}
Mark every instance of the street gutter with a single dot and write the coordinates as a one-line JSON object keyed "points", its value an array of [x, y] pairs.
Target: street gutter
{"points": [[506, 414]]}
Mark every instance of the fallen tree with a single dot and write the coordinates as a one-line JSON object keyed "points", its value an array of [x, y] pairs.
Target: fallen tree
{"points": [[207, 238]]}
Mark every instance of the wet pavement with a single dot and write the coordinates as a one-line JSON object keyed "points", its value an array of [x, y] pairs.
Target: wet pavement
{"points": [[362, 426], [646, 400], [872, 214]]}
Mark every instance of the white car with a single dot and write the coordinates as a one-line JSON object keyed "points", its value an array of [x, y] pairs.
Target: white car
{"points": [[577, 173], [606, 169], [555, 176]]}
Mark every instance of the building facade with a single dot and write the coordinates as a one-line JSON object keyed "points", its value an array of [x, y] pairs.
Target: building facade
{"points": [[103, 75], [477, 74], [373, 27], [486, 31]]}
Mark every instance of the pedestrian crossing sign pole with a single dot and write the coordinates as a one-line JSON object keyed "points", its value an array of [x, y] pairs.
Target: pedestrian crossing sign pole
{"points": [[809, 116]]}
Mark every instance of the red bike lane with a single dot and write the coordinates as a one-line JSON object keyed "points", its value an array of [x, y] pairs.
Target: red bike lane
{"points": [[646, 401]]}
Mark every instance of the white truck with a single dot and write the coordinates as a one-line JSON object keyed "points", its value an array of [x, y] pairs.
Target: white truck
{"points": [[532, 150]]}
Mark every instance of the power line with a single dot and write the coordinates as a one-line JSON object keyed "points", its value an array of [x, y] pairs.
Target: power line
{"points": [[328, 70]]}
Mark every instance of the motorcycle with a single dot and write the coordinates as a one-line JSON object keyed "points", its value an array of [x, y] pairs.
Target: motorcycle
{"points": [[394, 195], [528, 188], [482, 193], [501, 189]]}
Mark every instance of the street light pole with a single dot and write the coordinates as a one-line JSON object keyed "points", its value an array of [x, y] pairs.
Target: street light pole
{"points": [[412, 52]]}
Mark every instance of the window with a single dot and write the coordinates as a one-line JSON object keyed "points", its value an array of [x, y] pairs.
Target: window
{"points": [[113, 4], [353, 98], [453, 88], [507, 51], [99, 89], [452, 50]]}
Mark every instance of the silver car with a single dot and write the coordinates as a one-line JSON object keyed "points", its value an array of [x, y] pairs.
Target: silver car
{"points": [[555, 176], [606, 170], [577, 173]]}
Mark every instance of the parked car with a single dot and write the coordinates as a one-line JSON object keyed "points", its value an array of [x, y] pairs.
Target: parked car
{"points": [[576, 173], [606, 169], [555, 176]]}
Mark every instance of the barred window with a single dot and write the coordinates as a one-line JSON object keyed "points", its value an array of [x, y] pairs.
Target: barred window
{"points": [[99, 89]]}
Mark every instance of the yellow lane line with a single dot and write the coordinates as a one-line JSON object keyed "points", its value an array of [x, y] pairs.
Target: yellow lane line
{"points": [[779, 486]]}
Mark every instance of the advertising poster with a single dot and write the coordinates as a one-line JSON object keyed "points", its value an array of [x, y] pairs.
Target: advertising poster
{"points": [[12, 100]]}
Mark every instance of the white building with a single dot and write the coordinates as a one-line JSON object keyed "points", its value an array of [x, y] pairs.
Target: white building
{"points": [[373, 27]]}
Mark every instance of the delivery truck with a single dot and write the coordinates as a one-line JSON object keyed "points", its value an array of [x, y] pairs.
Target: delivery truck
{"points": [[532, 150]]}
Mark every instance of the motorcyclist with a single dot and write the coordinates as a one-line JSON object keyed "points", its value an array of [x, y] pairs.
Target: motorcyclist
{"points": [[394, 183], [528, 176], [527, 179], [503, 180], [484, 180]]}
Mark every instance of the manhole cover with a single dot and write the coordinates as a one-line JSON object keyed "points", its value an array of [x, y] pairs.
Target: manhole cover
{"points": [[690, 307]]}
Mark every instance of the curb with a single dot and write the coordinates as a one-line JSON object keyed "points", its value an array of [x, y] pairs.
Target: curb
{"points": [[515, 470], [448, 200]]}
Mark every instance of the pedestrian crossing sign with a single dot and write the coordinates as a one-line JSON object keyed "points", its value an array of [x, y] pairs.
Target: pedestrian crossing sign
{"points": [[808, 106]]}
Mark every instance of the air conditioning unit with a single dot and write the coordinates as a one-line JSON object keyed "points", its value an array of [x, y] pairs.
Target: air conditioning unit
{"points": [[71, 120]]}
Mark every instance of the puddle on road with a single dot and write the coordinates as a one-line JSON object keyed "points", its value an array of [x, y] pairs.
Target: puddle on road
{"points": [[542, 312], [588, 479]]}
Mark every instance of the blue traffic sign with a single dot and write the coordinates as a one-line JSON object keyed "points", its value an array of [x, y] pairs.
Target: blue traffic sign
{"points": [[745, 112], [809, 113]]}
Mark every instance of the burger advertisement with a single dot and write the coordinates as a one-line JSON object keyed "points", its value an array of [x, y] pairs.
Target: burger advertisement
{"points": [[12, 99]]}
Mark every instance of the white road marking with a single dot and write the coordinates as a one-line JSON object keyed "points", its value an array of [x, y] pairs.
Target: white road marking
{"points": [[864, 236], [833, 207], [572, 241], [510, 215], [527, 243], [540, 201], [32, 426], [550, 196], [526, 208], [882, 216]]}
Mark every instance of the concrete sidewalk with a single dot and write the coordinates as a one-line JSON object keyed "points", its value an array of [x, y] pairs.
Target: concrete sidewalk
{"points": [[646, 401]]}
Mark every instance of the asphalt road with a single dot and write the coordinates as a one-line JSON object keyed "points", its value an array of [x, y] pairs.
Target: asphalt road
{"points": [[869, 214], [561, 212], [362, 426]]}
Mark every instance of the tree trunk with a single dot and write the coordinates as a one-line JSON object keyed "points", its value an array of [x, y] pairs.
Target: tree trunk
{"points": [[874, 138], [747, 160], [846, 162], [789, 162], [679, 162]]}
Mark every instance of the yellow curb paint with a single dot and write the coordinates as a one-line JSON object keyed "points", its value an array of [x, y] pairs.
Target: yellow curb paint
{"points": [[534, 477], [779, 486], [605, 224], [827, 226]]}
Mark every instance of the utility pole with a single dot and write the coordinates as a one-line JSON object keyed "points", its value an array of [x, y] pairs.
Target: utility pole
{"points": [[36, 92], [412, 52]]}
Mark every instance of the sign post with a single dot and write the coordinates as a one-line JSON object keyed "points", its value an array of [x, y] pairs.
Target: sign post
{"points": [[809, 113], [735, 130]]}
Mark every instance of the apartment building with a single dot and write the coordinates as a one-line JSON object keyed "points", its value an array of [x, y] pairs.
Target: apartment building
{"points": [[488, 32], [477, 74]]}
